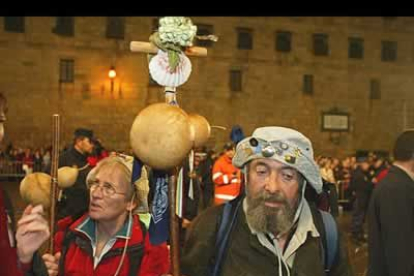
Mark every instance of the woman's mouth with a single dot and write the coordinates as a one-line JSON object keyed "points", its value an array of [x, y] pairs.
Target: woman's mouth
{"points": [[95, 206]]}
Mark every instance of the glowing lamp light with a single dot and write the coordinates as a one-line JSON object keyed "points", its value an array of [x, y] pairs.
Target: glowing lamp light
{"points": [[112, 75], [112, 72]]}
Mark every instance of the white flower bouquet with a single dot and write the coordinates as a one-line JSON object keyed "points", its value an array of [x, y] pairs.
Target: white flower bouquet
{"points": [[177, 30]]}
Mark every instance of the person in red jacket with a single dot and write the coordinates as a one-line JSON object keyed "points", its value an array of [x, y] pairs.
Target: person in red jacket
{"points": [[98, 153], [226, 177], [108, 239], [8, 256]]}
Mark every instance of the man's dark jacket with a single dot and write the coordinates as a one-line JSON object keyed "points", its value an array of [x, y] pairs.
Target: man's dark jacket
{"points": [[75, 199], [246, 256], [391, 226]]}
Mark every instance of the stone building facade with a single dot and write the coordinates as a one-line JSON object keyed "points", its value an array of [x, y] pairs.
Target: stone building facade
{"points": [[262, 71]]}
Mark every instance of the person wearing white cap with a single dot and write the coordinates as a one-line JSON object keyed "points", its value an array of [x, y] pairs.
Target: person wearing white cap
{"points": [[275, 231]]}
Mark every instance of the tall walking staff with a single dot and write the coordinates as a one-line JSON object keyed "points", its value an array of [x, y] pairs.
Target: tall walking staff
{"points": [[162, 134], [54, 174], [172, 196], [174, 224]]}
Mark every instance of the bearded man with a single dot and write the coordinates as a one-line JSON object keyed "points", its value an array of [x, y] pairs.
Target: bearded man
{"points": [[276, 231]]}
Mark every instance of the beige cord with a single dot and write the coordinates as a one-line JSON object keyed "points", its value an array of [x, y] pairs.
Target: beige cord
{"points": [[84, 167], [126, 243], [219, 127]]}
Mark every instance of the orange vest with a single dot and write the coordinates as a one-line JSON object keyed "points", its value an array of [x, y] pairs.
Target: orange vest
{"points": [[227, 180]]}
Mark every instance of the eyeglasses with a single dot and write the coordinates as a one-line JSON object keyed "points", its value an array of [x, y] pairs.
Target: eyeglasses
{"points": [[106, 188]]}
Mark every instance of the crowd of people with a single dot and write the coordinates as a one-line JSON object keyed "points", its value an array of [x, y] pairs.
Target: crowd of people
{"points": [[214, 178], [17, 161], [265, 216], [339, 171], [355, 178]]}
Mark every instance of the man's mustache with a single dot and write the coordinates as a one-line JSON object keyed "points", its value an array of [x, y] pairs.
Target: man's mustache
{"points": [[272, 198]]}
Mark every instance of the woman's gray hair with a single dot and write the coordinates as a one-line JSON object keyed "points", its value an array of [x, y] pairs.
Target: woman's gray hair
{"points": [[114, 162]]}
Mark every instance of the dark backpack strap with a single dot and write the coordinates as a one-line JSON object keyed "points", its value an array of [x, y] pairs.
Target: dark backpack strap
{"points": [[69, 237], [227, 221], [135, 257], [38, 266], [331, 240]]}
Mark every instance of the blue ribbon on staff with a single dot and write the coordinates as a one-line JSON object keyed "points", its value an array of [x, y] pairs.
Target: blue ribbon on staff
{"points": [[136, 170], [159, 225]]}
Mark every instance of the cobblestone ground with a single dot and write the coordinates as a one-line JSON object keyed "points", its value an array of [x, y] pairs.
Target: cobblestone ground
{"points": [[358, 254]]}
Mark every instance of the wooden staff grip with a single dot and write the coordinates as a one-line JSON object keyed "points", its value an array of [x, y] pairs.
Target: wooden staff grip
{"points": [[147, 47], [174, 224], [54, 174]]}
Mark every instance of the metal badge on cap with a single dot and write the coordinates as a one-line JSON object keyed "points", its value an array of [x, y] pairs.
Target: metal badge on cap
{"points": [[253, 142], [268, 151]]}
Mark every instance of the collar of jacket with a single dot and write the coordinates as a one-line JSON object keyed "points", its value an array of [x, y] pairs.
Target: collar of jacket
{"points": [[85, 227], [88, 228], [409, 173]]}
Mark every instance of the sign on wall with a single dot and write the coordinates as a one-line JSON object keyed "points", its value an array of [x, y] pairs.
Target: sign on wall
{"points": [[334, 121]]}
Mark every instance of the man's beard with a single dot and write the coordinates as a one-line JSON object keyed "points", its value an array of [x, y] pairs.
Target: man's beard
{"points": [[265, 219]]}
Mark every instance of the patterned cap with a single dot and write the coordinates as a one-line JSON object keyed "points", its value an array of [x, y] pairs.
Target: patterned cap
{"points": [[285, 145]]}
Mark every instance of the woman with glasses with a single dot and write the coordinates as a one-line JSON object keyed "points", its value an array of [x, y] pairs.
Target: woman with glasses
{"points": [[108, 239]]}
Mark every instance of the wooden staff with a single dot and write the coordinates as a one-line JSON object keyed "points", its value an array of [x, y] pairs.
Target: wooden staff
{"points": [[54, 174], [170, 98], [174, 224], [149, 48]]}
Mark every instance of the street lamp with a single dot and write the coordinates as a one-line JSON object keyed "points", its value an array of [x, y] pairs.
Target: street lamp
{"points": [[112, 75]]}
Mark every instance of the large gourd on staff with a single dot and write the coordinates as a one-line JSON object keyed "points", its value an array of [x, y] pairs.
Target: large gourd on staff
{"points": [[35, 187], [200, 129], [160, 136]]}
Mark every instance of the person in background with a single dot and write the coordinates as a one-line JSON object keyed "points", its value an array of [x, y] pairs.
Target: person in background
{"points": [[382, 167], [8, 254], [37, 161], [327, 171], [391, 215], [204, 169], [226, 177], [275, 230], [98, 153], [75, 199], [362, 187]]}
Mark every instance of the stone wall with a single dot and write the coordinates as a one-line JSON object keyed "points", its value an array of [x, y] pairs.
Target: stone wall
{"points": [[272, 81]]}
